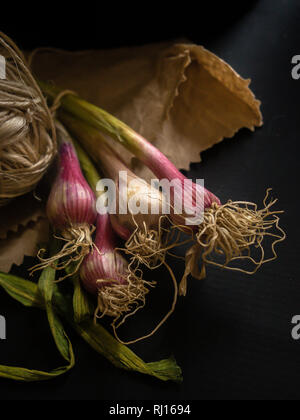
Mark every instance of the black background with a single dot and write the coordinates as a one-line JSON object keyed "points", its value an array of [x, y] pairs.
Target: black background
{"points": [[232, 333]]}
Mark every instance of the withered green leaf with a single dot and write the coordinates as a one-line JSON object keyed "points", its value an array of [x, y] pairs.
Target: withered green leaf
{"points": [[29, 294]]}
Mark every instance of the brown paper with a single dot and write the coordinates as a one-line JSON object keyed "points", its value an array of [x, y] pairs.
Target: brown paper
{"points": [[25, 241], [23, 225], [181, 97], [19, 213]]}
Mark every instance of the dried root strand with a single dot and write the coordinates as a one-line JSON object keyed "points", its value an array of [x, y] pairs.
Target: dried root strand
{"points": [[192, 267], [122, 300], [149, 246], [116, 326], [235, 229], [78, 243]]}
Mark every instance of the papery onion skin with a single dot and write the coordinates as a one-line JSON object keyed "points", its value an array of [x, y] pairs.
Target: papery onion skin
{"points": [[126, 224]]}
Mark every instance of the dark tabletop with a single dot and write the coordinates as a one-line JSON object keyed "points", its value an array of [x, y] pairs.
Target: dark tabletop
{"points": [[232, 333]]}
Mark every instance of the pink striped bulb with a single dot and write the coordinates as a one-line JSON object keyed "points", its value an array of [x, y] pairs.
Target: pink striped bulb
{"points": [[102, 263], [163, 168], [71, 201]]}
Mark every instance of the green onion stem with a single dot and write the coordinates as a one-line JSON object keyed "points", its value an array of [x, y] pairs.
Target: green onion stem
{"points": [[96, 117]]}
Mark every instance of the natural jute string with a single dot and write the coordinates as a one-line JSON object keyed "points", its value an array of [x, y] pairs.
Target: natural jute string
{"points": [[27, 132]]}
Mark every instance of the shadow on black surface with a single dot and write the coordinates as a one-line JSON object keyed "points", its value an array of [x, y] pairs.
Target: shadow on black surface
{"points": [[111, 26]]}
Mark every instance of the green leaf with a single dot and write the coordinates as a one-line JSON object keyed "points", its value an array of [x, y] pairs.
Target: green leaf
{"points": [[28, 293], [82, 307], [90, 172], [26, 375], [24, 291], [118, 354], [47, 286], [167, 369], [121, 356]]}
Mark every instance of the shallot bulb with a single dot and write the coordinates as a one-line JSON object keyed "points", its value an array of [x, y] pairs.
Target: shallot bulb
{"points": [[118, 284], [138, 216], [71, 208], [234, 230]]}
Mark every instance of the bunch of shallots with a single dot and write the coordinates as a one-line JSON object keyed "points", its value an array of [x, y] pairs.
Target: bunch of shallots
{"points": [[151, 223]]}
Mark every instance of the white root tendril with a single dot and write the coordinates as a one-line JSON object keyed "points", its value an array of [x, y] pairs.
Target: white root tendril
{"points": [[235, 229], [121, 301], [78, 243], [116, 300], [150, 246]]}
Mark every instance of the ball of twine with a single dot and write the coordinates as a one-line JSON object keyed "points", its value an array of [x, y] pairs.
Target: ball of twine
{"points": [[27, 131]]}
